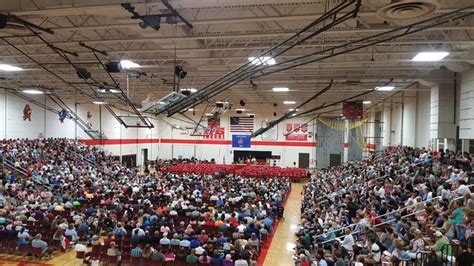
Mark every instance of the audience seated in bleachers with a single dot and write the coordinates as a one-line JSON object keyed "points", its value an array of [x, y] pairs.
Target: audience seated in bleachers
{"points": [[398, 206]]}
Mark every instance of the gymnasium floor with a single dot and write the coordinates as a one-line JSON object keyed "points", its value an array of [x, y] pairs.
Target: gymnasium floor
{"points": [[279, 253]]}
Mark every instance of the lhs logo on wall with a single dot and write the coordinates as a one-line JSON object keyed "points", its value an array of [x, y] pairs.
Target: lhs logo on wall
{"points": [[217, 131], [299, 132]]}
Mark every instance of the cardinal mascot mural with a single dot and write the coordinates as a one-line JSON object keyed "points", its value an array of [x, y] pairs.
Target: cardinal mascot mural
{"points": [[27, 113]]}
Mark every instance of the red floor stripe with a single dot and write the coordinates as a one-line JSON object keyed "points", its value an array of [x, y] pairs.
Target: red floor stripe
{"points": [[23, 262], [266, 246]]}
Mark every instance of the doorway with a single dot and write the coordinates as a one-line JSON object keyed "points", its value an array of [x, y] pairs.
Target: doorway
{"points": [[129, 160], [144, 157], [303, 160], [334, 159]]}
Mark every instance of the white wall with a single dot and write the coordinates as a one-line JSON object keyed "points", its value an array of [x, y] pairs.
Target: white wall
{"points": [[47, 123], [406, 118], [221, 150], [124, 141]]}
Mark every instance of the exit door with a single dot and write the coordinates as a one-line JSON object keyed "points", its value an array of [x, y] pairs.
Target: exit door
{"points": [[334, 159], [303, 160]]}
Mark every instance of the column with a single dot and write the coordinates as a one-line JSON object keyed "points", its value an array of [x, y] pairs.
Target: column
{"points": [[466, 113], [442, 124], [346, 141]]}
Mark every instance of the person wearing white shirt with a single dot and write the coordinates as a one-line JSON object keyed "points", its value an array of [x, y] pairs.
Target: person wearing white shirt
{"points": [[348, 241], [139, 231], [462, 189], [81, 247], [375, 253], [241, 228], [381, 192], [199, 250], [241, 262]]}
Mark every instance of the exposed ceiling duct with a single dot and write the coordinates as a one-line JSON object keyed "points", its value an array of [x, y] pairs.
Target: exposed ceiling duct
{"points": [[407, 9]]}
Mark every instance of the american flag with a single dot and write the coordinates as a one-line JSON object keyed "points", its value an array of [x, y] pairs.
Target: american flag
{"points": [[241, 124]]}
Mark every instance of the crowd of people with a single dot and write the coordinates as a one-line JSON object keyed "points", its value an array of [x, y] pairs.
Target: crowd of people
{"points": [[57, 194], [402, 205]]}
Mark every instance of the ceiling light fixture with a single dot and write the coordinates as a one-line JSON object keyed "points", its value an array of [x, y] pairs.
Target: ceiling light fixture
{"points": [[33, 91], [280, 89], [99, 102], [192, 90], [265, 60], [289, 102], [240, 109], [9, 68], [109, 91], [429, 56], [385, 88], [291, 110], [127, 64], [366, 102]]}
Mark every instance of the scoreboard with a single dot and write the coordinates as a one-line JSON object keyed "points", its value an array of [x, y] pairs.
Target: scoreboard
{"points": [[353, 110]]}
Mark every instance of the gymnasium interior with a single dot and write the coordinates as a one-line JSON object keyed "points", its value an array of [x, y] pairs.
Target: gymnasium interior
{"points": [[236, 133]]}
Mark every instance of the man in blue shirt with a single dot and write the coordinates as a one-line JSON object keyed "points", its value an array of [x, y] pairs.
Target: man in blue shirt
{"points": [[137, 252], [39, 243], [268, 223], [195, 243], [185, 243]]}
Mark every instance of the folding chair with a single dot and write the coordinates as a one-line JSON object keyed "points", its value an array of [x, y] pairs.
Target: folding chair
{"points": [[80, 255], [136, 261], [168, 263], [36, 252]]}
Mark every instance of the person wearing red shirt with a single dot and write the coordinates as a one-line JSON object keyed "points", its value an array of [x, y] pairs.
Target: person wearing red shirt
{"points": [[109, 239], [233, 221]]}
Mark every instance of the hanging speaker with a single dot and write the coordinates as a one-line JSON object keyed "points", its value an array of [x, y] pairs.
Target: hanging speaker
{"points": [[242, 103], [113, 67], [179, 72], [83, 73]]}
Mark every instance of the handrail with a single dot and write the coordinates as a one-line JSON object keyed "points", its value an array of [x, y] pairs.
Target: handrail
{"points": [[8, 158], [12, 166], [78, 154], [387, 222], [385, 214], [380, 177], [377, 225], [398, 210]]}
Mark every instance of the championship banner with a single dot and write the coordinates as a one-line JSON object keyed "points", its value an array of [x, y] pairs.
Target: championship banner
{"points": [[299, 132]]}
